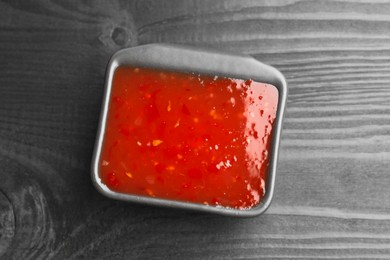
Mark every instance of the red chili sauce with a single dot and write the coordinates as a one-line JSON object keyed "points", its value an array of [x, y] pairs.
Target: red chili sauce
{"points": [[188, 137]]}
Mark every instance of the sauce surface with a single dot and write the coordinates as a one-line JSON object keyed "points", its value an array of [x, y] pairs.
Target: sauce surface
{"points": [[188, 137]]}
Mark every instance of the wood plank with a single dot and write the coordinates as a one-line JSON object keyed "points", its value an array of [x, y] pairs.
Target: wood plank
{"points": [[332, 197]]}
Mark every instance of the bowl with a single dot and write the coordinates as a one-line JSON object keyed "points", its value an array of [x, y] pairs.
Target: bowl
{"points": [[167, 115]]}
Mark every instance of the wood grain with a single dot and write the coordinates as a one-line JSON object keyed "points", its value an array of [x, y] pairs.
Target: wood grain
{"points": [[332, 197]]}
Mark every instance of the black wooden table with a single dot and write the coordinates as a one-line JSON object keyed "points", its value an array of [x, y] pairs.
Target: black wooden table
{"points": [[332, 190]]}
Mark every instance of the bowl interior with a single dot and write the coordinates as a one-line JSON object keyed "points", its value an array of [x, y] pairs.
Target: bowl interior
{"points": [[208, 62]]}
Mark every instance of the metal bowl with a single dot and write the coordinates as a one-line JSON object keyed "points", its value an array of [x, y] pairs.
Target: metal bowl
{"points": [[202, 61]]}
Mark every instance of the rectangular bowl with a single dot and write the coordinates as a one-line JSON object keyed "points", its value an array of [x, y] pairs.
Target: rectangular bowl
{"points": [[202, 61]]}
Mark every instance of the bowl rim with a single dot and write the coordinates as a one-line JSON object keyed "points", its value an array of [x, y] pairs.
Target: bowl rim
{"points": [[203, 61]]}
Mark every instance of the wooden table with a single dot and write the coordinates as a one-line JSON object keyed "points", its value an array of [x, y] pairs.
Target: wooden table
{"points": [[333, 179]]}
